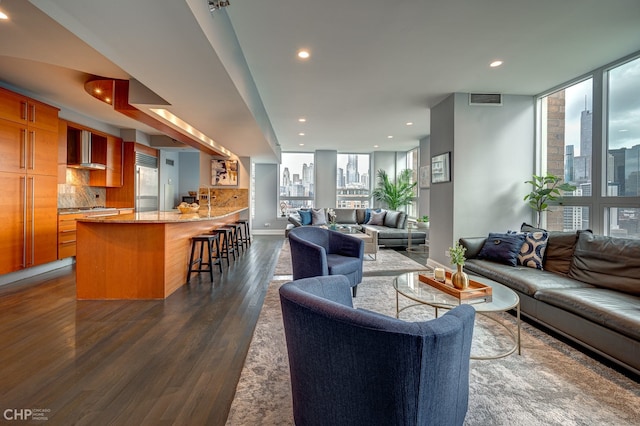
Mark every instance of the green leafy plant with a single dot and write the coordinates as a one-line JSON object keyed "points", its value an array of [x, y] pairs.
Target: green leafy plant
{"points": [[456, 254], [397, 194], [545, 188], [424, 219]]}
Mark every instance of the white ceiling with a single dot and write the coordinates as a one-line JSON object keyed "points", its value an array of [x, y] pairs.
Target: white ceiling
{"points": [[375, 64]]}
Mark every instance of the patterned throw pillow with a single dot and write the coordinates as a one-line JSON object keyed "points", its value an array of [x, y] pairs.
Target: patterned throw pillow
{"points": [[533, 248], [318, 217], [305, 216], [377, 218]]}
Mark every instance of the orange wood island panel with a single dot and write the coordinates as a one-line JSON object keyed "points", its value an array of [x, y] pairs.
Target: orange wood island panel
{"points": [[139, 255]]}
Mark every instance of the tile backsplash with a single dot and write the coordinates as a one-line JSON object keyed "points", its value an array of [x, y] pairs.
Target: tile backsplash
{"points": [[77, 192]]}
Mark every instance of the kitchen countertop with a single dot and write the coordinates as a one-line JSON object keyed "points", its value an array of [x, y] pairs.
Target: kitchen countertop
{"points": [[76, 210], [167, 217]]}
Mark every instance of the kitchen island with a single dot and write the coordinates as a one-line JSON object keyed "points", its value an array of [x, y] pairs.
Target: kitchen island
{"points": [[140, 255]]}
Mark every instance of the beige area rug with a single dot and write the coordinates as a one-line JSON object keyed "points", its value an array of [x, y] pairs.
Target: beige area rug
{"points": [[549, 384], [386, 261]]}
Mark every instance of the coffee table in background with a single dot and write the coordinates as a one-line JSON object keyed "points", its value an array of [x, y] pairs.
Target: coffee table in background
{"points": [[503, 300], [369, 236]]}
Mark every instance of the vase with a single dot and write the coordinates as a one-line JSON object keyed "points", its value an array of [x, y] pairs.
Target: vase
{"points": [[460, 279]]}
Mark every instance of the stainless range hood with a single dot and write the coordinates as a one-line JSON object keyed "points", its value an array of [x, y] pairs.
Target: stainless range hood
{"points": [[79, 151]]}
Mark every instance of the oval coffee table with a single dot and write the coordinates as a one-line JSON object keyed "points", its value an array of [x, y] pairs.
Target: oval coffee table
{"points": [[503, 299]]}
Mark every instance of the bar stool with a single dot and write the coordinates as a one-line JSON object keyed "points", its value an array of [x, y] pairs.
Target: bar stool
{"points": [[246, 237], [226, 236], [201, 240], [235, 238]]}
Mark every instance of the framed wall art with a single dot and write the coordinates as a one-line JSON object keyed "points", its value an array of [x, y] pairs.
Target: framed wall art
{"points": [[441, 168], [224, 172]]}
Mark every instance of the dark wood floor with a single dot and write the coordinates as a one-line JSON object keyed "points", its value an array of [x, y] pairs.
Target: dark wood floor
{"points": [[174, 361]]}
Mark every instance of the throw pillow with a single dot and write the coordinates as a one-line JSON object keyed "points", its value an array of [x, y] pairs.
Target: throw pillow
{"points": [[391, 219], [305, 215], [346, 216], [367, 214], [318, 217], [532, 251], [377, 218], [502, 248]]}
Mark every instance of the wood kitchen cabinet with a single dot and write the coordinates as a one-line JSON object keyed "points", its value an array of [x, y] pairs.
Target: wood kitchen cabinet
{"points": [[28, 208], [28, 178], [67, 226], [107, 149]]}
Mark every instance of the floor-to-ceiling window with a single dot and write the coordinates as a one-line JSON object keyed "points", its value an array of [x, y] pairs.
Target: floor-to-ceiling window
{"points": [[297, 181], [413, 164], [353, 181], [589, 134], [622, 176]]}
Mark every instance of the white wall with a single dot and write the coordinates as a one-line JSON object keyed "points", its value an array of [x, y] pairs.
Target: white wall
{"points": [[326, 170], [424, 193], [492, 154], [169, 184], [189, 179], [266, 200]]}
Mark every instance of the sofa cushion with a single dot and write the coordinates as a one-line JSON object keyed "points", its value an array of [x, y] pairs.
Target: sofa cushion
{"points": [[346, 216], [367, 214], [521, 278], [393, 219], [318, 217], [611, 309], [305, 216], [533, 249], [607, 262], [502, 248], [377, 218]]}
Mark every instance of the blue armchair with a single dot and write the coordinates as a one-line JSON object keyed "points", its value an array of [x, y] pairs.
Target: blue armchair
{"points": [[356, 367], [318, 251]]}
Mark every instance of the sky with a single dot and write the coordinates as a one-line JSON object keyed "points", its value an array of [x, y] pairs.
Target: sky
{"points": [[624, 107]]}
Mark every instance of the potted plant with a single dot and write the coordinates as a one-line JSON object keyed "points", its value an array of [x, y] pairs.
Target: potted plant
{"points": [[459, 279], [423, 221], [395, 195], [545, 188]]}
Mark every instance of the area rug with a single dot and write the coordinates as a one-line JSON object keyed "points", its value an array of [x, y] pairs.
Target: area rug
{"points": [[387, 261], [551, 383]]}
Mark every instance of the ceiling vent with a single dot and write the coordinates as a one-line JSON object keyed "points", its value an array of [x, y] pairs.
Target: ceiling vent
{"points": [[494, 99]]}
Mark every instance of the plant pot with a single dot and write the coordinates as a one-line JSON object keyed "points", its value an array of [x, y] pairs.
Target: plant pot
{"points": [[422, 225], [460, 279]]}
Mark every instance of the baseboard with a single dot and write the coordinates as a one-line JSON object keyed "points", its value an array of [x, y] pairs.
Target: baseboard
{"points": [[23, 274], [268, 232]]}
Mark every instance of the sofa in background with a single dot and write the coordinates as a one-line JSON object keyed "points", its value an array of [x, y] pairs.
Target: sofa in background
{"points": [[587, 291], [391, 229], [317, 252], [356, 367]]}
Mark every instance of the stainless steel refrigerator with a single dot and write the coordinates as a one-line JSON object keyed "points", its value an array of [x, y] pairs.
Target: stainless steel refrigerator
{"points": [[147, 187]]}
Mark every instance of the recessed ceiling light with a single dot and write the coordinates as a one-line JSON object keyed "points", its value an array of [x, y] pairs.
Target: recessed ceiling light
{"points": [[303, 54], [409, 123], [3, 16], [301, 134], [389, 137], [376, 146], [301, 144], [302, 120], [495, 64]]}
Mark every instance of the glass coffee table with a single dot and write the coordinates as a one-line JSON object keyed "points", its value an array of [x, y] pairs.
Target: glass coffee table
{"points": [[503, 299]]}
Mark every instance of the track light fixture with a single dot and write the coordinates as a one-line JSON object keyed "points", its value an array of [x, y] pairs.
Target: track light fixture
{"points": [[217, 4]]}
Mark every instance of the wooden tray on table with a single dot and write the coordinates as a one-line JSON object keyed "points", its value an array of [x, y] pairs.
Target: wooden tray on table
{"points": [[475, 290]]}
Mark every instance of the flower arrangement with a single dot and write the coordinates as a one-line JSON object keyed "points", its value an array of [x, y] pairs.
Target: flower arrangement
{"points": [[456, 254], [332, 216]]}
